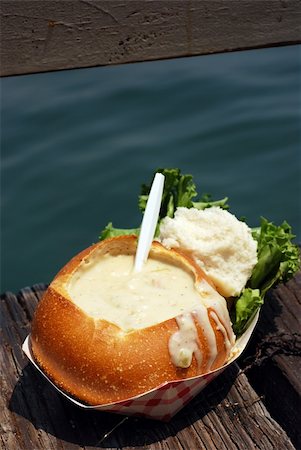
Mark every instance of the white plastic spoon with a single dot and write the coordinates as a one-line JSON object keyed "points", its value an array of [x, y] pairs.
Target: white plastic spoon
{"points": [[149, 222]]}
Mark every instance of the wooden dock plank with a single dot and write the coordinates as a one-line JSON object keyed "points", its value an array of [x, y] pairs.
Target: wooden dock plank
{"points": [[55, 35], [15, 432], [273, 359], [228, 414]]}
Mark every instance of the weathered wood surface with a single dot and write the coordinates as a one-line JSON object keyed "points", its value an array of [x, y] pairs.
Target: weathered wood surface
{"points": [[273, 359], [227, 415], [38, 36]]}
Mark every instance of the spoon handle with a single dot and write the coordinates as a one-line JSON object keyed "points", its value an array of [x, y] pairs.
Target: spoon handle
{"points": [[149, 222]]}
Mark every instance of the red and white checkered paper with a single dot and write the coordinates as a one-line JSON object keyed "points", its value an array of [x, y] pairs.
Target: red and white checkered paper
{"points": [[164, 401]]}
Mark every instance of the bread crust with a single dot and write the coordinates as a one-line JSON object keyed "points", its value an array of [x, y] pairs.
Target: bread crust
{"points": [[94, 360]]}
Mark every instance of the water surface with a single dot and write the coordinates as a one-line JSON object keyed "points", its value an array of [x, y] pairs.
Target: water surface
{"points": [[76, 145]]}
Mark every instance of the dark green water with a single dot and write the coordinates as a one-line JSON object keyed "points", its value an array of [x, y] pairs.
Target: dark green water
{"points": [[76, 146]]}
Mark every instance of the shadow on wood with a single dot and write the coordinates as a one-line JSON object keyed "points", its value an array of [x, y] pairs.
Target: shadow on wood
{"points": [[36, 400], [272, 361]]}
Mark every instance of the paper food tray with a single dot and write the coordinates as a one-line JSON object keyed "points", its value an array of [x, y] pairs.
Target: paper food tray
{"points": [[164, 401]]}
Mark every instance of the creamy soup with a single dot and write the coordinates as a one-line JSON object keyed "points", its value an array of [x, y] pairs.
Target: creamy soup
{"points": [[108, 288]]}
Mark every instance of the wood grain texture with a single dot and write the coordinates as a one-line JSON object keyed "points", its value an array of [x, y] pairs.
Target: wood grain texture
{"points": [[273, 358], [38, 36], [227, 415]]}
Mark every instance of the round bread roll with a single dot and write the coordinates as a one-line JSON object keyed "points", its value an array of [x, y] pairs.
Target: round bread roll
{"points": [[101, 343]]}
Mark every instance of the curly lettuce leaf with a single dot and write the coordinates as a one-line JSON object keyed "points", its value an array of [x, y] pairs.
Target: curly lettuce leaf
{"points": [[109, 231], [246, 307], [179, 190], [278, 261], [206, 202], [278, 257]]}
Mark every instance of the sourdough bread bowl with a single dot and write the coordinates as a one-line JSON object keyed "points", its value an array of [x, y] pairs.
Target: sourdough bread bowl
{"points": [[99, 353]]}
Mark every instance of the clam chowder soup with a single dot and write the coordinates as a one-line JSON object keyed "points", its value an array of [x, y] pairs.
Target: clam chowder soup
{"points": [[108, 288]]}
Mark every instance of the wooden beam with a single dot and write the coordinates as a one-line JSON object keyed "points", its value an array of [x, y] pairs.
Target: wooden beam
{"points": [[39, 36]]}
